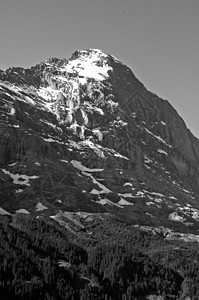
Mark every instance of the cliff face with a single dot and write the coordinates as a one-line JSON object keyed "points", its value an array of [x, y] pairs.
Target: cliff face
{"points": [[85, 134]]}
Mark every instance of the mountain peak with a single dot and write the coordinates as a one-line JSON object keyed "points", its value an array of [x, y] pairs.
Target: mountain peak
{"points": [[89, 52], [94, 54], [91, 63]]}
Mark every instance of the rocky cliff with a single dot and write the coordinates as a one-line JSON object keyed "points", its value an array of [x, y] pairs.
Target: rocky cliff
{"points": [[84, 134]]}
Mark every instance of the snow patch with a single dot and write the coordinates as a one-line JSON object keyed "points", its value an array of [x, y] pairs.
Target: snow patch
{"points": [[64, 264], [66, 161], [176, 217], [12, 111], [99, 150], [98, 133], [19, 179], [162, 151], [22, 211], [157, 137], [96, 192], [51, 140], [48, 93], [163, 123], [147, 160], [108, 202], [173, 198], [13, 164], [124, 202], [30, 101], [155, 194], [120, 155], [4, 212], [186, 191], [126, 195], [127, 184], [140, 194], [40, 207], [150, 203], [49, 124], [77, 164]]}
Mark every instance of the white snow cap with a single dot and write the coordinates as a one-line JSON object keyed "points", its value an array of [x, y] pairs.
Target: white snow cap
{"points": [[91, 63]]}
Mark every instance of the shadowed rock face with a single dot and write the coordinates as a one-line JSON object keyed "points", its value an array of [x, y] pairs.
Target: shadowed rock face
{"points": [[85, 134]]}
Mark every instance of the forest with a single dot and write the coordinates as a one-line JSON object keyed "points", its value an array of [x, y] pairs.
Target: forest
{"points": [[108, 260]]}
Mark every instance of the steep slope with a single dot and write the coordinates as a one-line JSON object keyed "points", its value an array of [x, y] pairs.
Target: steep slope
{"points": [[84, 134]]}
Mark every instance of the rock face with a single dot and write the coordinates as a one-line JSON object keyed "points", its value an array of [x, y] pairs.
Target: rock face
{"points": [[85, 134]]}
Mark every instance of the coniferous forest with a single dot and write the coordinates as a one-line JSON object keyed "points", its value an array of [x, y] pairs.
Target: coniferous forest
{"points": [[109, 260]]}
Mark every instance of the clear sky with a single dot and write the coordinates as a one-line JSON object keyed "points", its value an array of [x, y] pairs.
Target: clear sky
{"points": [[157, 39]]}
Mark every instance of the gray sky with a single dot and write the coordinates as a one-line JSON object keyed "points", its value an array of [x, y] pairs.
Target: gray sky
{"points": [[157, 39]]}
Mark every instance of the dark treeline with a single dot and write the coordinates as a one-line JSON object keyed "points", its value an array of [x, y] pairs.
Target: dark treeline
{"points": [[39, 259]]}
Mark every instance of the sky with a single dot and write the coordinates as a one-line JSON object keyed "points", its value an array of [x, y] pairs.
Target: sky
{"points": [[157, 39]]}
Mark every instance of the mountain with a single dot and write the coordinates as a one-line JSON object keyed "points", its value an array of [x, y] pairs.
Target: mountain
{"points": [[99, 181], [85, 135]]}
